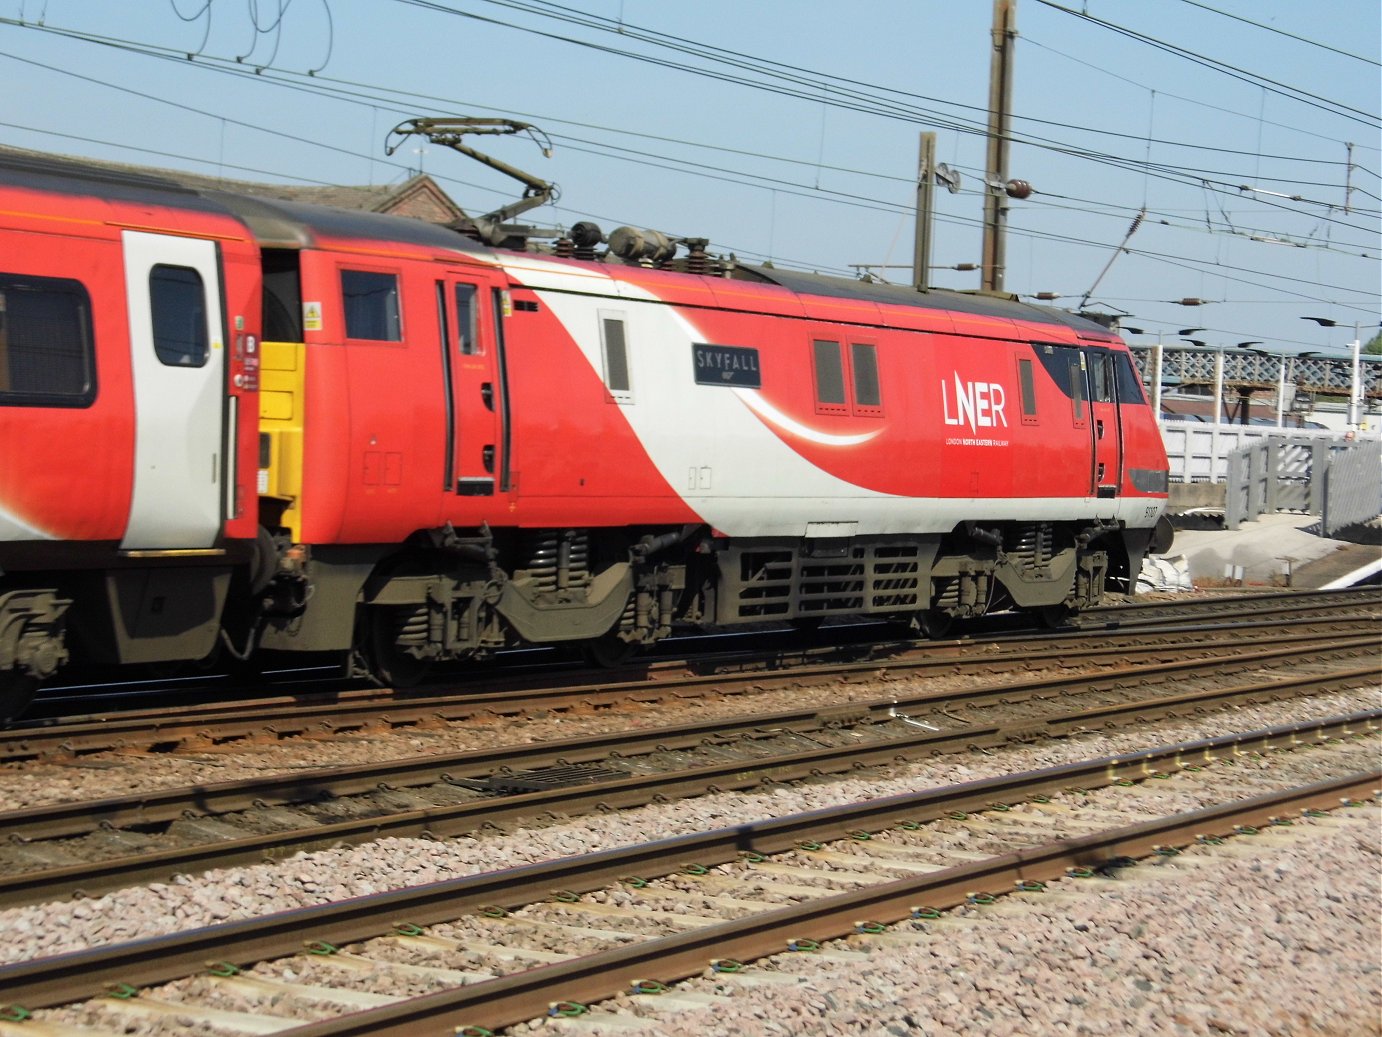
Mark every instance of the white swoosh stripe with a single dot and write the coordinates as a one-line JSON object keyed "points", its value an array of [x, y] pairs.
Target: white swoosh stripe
{"points": [[12, 527], [773, 416]]}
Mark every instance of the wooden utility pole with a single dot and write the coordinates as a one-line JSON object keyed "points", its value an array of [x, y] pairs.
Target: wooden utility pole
{"points": [[926, 190], [1000, 99]]}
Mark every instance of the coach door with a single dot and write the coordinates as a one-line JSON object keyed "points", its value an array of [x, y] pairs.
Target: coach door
{"points": [[1104, 417], [173, 287], [472, 365]]}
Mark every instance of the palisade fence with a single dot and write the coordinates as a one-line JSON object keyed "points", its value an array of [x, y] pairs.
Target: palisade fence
{"points": [[1338, 480], [1199, 451]]}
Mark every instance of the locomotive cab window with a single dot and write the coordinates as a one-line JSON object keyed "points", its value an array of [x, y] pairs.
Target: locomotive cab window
{"points": [[177, 306], [1101, 377], [1129, 386], [371, 306], [47, 353]]}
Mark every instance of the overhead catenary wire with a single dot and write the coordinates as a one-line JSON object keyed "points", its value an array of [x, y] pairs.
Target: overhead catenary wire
{"points": [[882, 206], [839, 197], [1283, 32], [1338, 108], [316, 85]]}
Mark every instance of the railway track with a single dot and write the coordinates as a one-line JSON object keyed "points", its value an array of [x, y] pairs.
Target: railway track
{"points": [[1230, 604], [1126, 631], [459, 956], [85, 848]]}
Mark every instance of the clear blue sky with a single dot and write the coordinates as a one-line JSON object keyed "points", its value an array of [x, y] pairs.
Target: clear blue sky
{"points": [[788, 129]]}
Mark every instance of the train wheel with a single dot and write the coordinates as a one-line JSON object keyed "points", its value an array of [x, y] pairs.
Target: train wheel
{"points": [[17, 690], [934, 624], [608, 650], [391, 661], [1055, 616], [1163, 536]]}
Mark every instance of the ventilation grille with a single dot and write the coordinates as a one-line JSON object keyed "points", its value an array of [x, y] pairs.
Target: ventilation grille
{"points": [[869, 578]]}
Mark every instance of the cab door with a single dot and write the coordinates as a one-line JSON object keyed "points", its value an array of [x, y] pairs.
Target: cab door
{"points": [[1105, 421], [173, 290], [472, 369]]}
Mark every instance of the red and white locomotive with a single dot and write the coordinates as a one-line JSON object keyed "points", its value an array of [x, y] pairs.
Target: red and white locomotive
{"points": [[228, 423]]}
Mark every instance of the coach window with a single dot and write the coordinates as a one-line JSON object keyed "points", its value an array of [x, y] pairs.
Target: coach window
{"points": [[467, 340], [1028, 388], [830, 377], [177, 306], [47, 353], [868, 395], [614, 348], [371, 305]]}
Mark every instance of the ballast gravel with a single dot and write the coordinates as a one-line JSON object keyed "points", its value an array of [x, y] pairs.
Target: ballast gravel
{"points": [[1293, 951], [1286, 946]]}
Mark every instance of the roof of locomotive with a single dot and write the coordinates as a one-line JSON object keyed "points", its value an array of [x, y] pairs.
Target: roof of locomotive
{"points": [[278, 223], [296, 225], [70, 176], [285, 224], [1005, 307]]}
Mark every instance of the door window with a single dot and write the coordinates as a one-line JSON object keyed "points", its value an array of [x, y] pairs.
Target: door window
{"points": [[177, 306], [1101, 376], [467, 341]]}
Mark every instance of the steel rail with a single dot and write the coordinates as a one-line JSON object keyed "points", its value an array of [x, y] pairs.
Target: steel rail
{"points": [[83, 974], [93, 877], [526, 995], [263, 721], [1270, 601], [157, 806]]}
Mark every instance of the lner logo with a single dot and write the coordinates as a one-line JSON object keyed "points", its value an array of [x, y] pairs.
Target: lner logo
{"points": [[977, 404]]}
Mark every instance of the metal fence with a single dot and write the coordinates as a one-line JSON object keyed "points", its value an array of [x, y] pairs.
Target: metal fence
{"points": [[1353, 486], [1199, 451], [1338, 480]]}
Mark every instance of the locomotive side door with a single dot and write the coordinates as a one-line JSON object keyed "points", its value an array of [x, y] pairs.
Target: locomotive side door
{"points": [[1107, 429], [475, 399], [173, 289]]}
